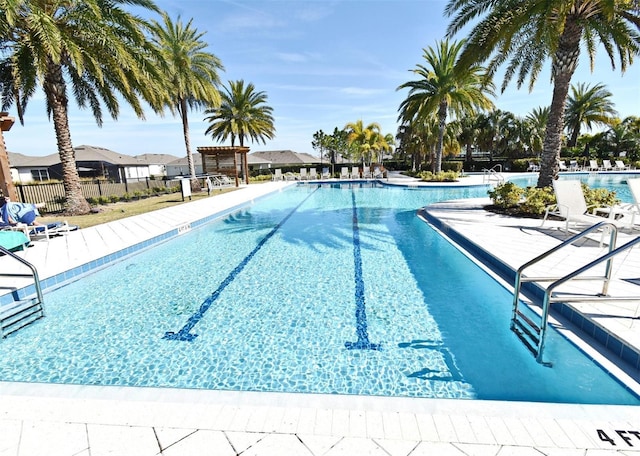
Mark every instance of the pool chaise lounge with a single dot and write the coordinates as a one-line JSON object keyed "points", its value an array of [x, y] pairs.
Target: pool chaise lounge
{"points": [[13, 240]]}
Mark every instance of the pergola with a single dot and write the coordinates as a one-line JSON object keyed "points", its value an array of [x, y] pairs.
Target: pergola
{"points": [[224, 160]]}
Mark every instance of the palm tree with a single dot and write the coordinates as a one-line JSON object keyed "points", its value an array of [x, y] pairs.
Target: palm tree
{"points": [[587, 106], [243, 113], [366, 140], [92, 50], [536, 122], [528, 32], [192, 74], [445, 89]]}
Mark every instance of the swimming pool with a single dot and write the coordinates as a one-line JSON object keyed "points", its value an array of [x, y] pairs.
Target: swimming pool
{"points": [[318, 289]]}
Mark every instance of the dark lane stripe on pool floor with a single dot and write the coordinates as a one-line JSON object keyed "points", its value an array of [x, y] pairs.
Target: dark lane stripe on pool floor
{"points": [[184, 334]]}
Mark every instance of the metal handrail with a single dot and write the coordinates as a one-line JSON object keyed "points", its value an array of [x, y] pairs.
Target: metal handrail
{"points": [[571, 240], [546, 303], [493, 172], [34, 271]]}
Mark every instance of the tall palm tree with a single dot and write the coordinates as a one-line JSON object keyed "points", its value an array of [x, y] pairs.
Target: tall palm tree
{"points": [[192, 74], [92, 50], [529, 32], [243, 113], [445, 89], [588, 105]]}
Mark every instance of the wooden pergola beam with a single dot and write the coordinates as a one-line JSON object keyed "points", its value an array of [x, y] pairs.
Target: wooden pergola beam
{"points": [[221, 152], [6, 182]]}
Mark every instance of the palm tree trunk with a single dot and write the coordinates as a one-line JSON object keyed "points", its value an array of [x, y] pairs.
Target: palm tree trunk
{"points": [[442, 125], [564, 65], [56, 92], [195, 183]]}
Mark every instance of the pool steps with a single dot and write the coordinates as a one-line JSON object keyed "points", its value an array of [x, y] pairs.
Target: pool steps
{"points": [[532, 334]]}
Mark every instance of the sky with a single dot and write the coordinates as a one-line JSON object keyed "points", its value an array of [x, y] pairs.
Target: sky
{"points": [[321, 63]]}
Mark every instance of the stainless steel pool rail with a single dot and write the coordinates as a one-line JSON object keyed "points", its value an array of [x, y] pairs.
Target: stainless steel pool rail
{"points": [[533, 334], [20, 313], [493, 175]]}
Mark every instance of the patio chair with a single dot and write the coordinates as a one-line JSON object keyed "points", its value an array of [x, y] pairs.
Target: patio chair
{"points": [[572, 206], [620, 166], [277, 174], [355, 172], [573, 165], [14, 240], [366, 173], [593, 165], [344, 173], [606, 165], [325, 173], [303, 173], [562, 165], [533, 167], [378, 173], [313, 174]]}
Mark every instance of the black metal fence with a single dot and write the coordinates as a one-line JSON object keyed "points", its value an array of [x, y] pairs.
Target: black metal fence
{"points": [[52, 194]]}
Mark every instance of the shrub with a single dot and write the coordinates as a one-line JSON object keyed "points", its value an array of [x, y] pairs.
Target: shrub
{"points": [[443, 176], [92, 201], [537, 199], [103, 200], [114, 198], [506, 195], [599, 197], [126, 197]]}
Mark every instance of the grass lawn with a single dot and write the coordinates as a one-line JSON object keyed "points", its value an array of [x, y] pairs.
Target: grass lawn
{"points": [[120, 210]]}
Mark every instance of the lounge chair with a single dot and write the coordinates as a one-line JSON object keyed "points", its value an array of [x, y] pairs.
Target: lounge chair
{"points": [[366, 172], [533, 167], [313, 174], [562, 165], [355, 172], [593, 165], [344, 173], [325, 173], [289, 176], [573, 165], [572, 206], [620, 166], [606, 165], [277, 174], [378, 173], [303, 174]]}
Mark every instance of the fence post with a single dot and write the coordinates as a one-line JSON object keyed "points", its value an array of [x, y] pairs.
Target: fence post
{"points": [[99, 187]]}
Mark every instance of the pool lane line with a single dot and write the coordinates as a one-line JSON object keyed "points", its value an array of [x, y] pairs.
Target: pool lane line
{"points": [[184, 334], [362, 332]]}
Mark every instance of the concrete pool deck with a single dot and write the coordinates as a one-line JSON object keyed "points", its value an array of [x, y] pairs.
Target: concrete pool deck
{"points": [[37, 419]]}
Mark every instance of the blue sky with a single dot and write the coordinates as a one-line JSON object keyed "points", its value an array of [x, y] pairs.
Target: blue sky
{"points": [[321, 63]]}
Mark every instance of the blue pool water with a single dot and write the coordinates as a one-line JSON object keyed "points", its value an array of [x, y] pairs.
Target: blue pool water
{"points": [[318, 289]]}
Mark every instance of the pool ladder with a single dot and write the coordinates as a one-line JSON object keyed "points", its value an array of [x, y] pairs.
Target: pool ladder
{"points": [[20, 313], [532, 330]]}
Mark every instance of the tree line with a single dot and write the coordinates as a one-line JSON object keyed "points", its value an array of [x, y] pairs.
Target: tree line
{"points": [[97, 52]]}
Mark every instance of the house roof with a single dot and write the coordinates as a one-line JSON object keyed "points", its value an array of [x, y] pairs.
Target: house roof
{"points": [[286, 157], [94, 153], [155, 159], [83, 153], [197, 160]]}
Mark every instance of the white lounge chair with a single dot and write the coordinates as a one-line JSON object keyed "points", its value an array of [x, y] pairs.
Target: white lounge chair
{"points": [[355, 172], [620, 166], [562, 165], [366, 172], [573, 165], [533, 167], [593, 165], [325, 173], [606, 165], [277, 174], [303, 173], [313, 174], [344, 173], [378, 173], [572, 206]]}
